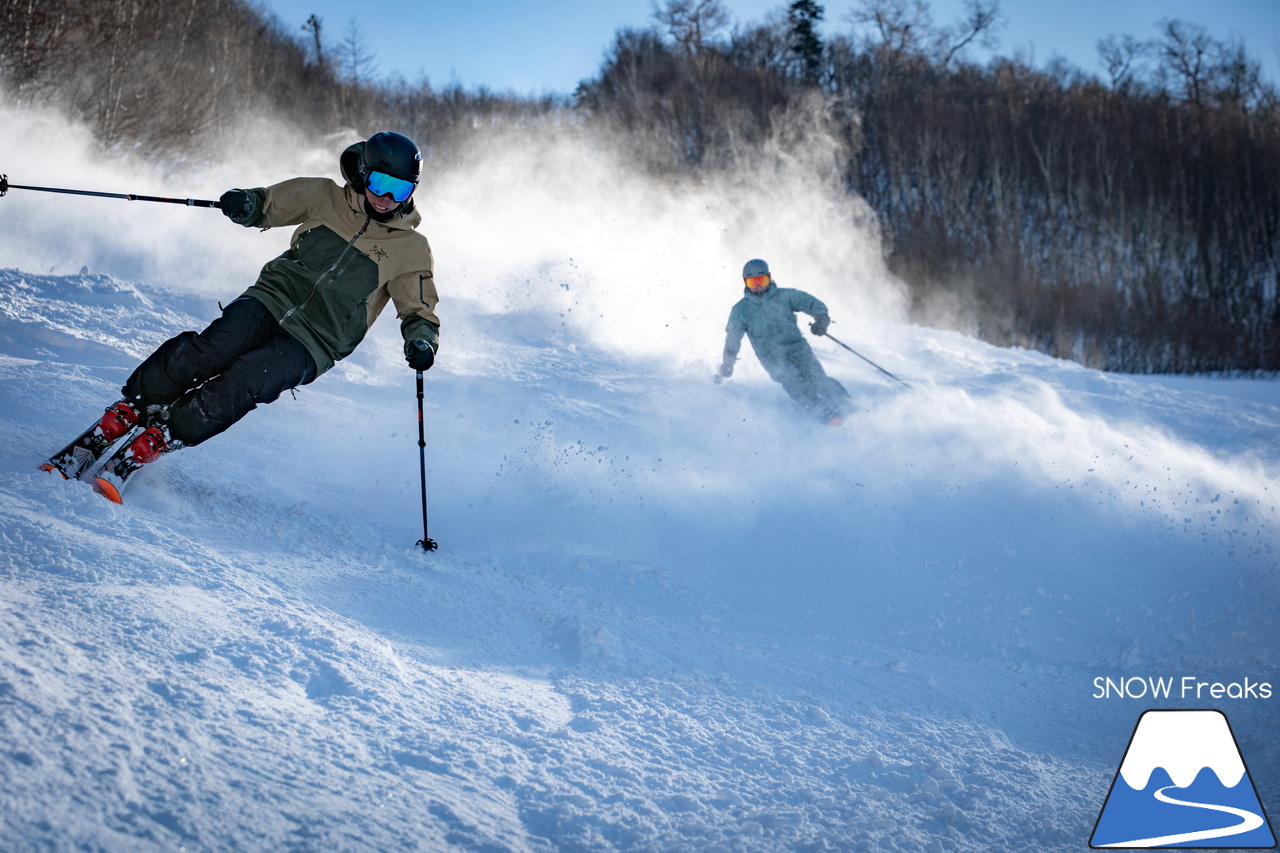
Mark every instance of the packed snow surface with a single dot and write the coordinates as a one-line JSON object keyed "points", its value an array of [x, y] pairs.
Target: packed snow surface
{"points": [[665, 614]]}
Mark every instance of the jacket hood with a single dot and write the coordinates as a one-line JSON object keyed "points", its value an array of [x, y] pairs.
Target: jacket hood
{"points": [[349, 163]]}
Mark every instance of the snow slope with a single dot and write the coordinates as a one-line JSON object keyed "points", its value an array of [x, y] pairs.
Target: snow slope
{"points": [[666, 615]]}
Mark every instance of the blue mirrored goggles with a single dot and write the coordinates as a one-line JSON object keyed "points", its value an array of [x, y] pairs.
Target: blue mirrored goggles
{"points": [[380, 184]]}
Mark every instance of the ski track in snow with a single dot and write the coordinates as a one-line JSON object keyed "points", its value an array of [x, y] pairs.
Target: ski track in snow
{"points": [[665, 615]]}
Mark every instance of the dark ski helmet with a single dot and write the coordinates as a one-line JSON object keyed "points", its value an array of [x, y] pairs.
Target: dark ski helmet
{"points": [[393, 154], [755, 267]]}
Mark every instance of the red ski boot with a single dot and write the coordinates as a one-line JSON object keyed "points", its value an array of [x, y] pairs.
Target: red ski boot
{"points": [[118, 419], [152, 443], [148, 446]]}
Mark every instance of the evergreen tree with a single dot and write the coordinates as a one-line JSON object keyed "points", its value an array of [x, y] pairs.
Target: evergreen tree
{"points": [[803, 16]]}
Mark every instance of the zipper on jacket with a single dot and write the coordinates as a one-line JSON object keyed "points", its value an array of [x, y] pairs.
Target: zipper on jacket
{"points": [[334, 270]]}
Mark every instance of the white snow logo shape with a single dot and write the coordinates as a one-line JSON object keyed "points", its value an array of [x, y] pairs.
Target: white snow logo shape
{"points": [[1182, 783]]}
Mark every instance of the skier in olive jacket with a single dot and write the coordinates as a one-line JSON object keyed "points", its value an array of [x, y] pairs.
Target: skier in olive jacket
{"points": [[766, 314], [355, 249]]}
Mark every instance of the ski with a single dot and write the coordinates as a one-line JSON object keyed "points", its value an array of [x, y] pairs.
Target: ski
{"points": [[92, 444], [109, 480], [141, 448]]}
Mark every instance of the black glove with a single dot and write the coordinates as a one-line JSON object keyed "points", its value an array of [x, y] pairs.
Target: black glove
{"points": [[239, 207], [420, 354], [820, 323], [726, 369]]}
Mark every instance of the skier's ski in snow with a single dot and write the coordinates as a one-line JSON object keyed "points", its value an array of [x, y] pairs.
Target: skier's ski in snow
{"points": [[86, 449], [145, 447]]}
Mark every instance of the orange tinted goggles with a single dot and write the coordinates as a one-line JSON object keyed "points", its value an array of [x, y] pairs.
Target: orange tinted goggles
{"points": [[757, 282]]}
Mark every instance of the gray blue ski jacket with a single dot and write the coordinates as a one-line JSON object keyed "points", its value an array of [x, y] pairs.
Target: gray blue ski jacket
{"points": [[768, 319]]}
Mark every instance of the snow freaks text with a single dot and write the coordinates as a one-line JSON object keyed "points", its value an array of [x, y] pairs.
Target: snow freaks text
{"points": [[1173, 687]]}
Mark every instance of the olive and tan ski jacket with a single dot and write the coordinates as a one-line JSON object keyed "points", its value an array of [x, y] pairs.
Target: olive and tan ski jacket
{"points": [[342, 267]]}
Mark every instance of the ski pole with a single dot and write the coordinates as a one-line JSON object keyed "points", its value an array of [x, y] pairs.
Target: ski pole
{"points": [[5, 186], [868, 361], [426, 542]]}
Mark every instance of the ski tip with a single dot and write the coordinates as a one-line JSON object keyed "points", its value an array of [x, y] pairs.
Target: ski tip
{"points": [[107, 490], [49, 467]]}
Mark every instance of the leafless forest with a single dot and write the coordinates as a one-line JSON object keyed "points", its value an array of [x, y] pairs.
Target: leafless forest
{"points": [[1128, 219]]}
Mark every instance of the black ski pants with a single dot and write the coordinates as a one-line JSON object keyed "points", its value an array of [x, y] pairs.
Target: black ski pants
{"points": [[200, 383]]}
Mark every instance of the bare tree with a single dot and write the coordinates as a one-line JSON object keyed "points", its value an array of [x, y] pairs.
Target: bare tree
{"points": [[1238, 78], [313, 26], [1185, 51], [978, 26], [693, 23], [1119, 55], [358, 63], [901, 27], [905, 28]]}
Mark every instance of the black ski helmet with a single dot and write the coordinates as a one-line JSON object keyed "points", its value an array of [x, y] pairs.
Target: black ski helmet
{"points": [[391, 153]]}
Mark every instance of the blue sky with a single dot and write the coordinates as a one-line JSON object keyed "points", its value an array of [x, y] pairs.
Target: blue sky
{"points": [[532, 48]]}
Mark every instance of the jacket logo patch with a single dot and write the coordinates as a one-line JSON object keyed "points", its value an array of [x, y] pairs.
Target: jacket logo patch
{"points": [[378, 253]]}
